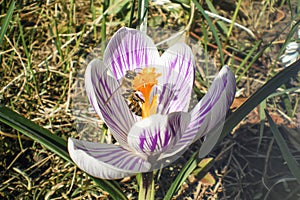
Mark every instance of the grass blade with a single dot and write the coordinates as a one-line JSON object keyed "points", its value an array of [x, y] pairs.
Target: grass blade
{"points": [[213, 10], [234, 18], [261, 94], [245, 60], [6, 21], [130, 25], [112, 187], [182, 176], [286, 154], [35, 132], [213, 29], [262, 119], [53, 143], [103, 25], [143, 15]]}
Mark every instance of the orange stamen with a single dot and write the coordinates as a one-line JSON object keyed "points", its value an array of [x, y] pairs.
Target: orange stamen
{"points": [[144, 82]]}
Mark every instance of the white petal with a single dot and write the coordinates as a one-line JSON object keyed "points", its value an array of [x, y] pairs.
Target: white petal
{"points": [[106, 161], [129, 49], [177, 80], [209, 114], [211, 139], [109, 104]]}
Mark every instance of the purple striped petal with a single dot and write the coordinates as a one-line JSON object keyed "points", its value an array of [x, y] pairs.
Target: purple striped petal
{"points": [[153, 135], [213, 107], [173, 153], [177, 80], [104, 96], [209, 114], [207, 117], [129, 49], [106, 161]]}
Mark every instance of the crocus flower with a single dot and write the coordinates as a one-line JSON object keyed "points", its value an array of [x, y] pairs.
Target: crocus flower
{"points": [[161, 87]]}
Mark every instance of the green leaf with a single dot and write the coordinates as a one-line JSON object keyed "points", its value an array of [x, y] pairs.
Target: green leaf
{"points": [[35, 132], [262, 119], [112, 187], [261, 94], [286, 154], [204, 164], [6, 21], [53, 143], [182, 176]]}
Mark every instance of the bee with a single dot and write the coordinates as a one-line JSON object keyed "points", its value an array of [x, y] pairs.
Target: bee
{"points": [[134, 101], [132, 97]]}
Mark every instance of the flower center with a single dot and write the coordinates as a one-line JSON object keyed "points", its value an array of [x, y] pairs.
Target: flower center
{"points": [[144, 82]]}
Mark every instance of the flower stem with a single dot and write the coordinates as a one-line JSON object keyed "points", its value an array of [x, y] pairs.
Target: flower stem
{"points": [[146, 186]]}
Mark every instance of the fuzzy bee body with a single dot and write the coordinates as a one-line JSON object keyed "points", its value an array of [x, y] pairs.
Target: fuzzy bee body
{"points": [[131, 96], [134, 102]]}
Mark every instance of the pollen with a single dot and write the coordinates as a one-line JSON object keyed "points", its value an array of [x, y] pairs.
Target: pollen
{"points": [[144, 82]]}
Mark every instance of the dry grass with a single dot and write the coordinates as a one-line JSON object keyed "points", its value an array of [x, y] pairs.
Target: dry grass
{"points": [[43, 57]]}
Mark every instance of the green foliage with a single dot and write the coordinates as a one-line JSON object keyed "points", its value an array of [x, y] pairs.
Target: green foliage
{"points": [[182, 176], [51, 142], [212, 28], [287, 156], [260, 95], [46, 46], [6, 21]]}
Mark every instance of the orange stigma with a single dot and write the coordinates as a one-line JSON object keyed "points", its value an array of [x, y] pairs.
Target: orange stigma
{"points": [[144, 82]]}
